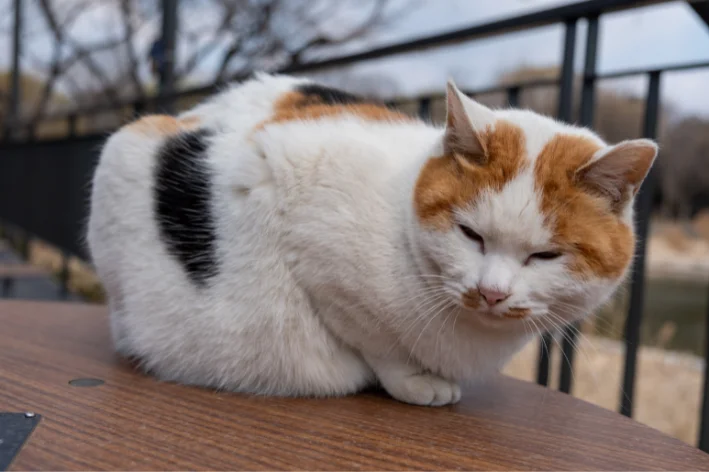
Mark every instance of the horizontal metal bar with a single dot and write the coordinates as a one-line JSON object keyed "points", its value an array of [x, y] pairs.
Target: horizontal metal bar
{"points": [[482, 91], [668, 68], [532, 20], [206, 90], [519, 85], [537, 19], [701, 8]]}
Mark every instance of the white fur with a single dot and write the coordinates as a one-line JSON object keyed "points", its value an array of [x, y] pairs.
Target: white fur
{"points": [[326, 281]]}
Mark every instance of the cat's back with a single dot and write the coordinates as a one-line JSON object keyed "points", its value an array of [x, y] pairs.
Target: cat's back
{"points": [[179, 197], [238, 109], [197, 287], [158, 152]]}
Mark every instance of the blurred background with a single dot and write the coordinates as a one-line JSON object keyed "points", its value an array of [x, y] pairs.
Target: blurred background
{"points": [[72, 70]]}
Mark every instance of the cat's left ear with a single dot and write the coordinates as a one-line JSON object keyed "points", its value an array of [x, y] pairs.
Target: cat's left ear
{"points": [[619, 171], [466, 120]]}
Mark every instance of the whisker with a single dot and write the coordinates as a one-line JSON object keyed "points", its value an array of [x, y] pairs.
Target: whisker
{"points": [[447, 304]]}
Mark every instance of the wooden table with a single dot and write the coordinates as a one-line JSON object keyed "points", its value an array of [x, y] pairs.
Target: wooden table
{"points": [[134, 422]]}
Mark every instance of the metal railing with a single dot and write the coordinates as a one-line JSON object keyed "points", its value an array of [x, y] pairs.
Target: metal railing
{"points": [[43, 183]]}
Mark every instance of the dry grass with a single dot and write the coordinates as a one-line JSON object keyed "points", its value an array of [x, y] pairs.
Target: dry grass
{"points": [[675, 254], [82, 279], [700, 224], [676, 238]]}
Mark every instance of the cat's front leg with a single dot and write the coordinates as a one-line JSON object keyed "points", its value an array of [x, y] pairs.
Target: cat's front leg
{"points": [[409, 383]]}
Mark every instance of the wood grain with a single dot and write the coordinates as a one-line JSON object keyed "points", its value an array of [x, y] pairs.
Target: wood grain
{"points": [[134, 422]]}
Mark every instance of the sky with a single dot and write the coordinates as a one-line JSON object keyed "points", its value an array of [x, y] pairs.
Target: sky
{"points": [[646, 37], [640, 38]]}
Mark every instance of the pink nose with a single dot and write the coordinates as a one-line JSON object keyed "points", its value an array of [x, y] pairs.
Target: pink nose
{"points": [[493, 296]]}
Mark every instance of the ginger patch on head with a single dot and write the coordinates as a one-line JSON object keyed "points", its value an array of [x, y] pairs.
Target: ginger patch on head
{"points": [[453, 181], [583, 224]]}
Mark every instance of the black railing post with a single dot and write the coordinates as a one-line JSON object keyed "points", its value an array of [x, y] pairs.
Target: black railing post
{"points": [[589, 74], [544, 361], [139, 108], [72, 124], [643, 208], [566, 88], [15, 83], [24, 245], [704, 418], [167, 67], [425, 109], [513, 97], [587, 102]]}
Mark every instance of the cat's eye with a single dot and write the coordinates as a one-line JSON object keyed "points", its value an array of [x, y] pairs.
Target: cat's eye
{"points": [[472, 235], [544, 256]]}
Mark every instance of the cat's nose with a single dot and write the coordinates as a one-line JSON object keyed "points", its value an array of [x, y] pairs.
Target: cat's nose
{"points": [[493, 296]]}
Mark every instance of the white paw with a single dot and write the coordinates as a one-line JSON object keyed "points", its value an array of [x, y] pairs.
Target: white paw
{"points": [[424, 389]]}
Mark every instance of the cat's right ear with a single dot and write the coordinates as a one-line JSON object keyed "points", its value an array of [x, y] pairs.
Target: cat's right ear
{"points": [[466, 119]]}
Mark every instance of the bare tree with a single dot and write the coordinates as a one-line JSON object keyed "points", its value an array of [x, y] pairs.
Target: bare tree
{"points": [[217, 40], [270, 34], [684, 173]]}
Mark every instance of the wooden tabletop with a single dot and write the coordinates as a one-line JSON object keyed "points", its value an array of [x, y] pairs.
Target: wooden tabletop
{"points": [[134, 422]]}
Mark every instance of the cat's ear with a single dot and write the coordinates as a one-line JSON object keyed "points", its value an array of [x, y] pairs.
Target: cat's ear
{"points": [[466, 119], [619, 171]]}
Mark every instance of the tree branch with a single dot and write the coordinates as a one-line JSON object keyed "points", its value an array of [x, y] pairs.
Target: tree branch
{"points": [[371, 22], [84, 54], [259, 26], [133, 65]]}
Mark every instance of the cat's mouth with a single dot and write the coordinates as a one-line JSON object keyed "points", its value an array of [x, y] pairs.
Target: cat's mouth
{"points": [[471, 300], [513, 313]]}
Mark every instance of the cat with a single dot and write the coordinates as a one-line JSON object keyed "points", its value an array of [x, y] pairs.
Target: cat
{"points": [[291, 239]]}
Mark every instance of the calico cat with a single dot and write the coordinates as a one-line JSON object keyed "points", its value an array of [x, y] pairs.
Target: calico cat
{"points": [[285, 238]]}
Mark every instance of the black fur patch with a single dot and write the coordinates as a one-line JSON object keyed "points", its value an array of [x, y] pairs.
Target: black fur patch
{"points": [[182, 204], [328, 95]]}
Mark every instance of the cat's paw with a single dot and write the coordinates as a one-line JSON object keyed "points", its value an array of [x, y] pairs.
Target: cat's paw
{"points": [[424, 389]]}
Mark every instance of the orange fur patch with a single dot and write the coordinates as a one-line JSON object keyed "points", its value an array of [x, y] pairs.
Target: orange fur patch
{"points": [[471, 298], [295, 106], [583, 224], [450, 182], [162, 125], [517, 313]]}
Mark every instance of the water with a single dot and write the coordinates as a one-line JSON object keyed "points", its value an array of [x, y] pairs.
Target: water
{"points": [[673, 317]]}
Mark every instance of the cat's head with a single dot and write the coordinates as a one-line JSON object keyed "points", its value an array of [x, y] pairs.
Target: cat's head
{"points": [[520, 216]]}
